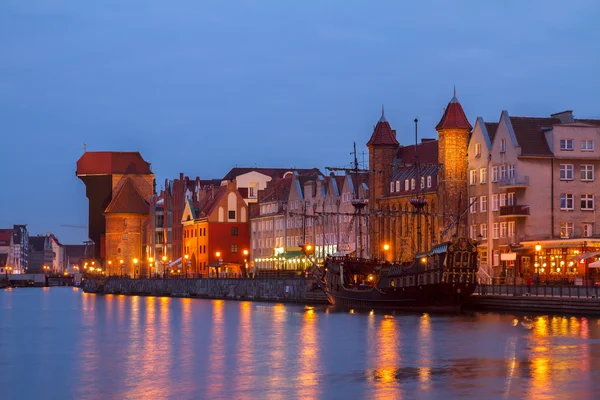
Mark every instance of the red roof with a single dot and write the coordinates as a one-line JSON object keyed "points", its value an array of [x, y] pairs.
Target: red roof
{"points": [[383, 133], [491, 128], [128, 201], [454, 117], [530, 135], [111, 162], [5, 237], [428, 152]]}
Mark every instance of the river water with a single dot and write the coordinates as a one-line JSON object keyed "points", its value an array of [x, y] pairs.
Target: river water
{"points": [[62, 343]]}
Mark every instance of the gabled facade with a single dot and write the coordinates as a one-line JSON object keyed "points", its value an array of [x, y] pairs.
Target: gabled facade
{"points": [[531, 183]]}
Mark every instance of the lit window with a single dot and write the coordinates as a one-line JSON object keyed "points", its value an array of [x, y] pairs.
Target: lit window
{"points": [[483, 230], [422, 182], [483, 203], [566, 229], [397, 186], [473, 177], [234, 248], [406, 185], [429, 181], [412, 184]]}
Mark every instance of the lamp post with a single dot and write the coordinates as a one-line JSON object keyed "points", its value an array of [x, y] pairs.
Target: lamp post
{"points": [[135, 270], [218, 254], [164, 261], [121, 264], [109, 269], [245, 252], [185, 265], [150, 261], [386, 247], [538, 247]]}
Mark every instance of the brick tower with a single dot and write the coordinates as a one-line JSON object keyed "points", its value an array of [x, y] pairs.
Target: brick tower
{"points": [[383, 147], [453, 131], [118, 186]]}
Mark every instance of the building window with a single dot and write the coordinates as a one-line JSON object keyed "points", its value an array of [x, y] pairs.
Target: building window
{"points": [[234, 248], [566, 229], [494, 202], [496, 231], [587, 229], [483, 230], [482, 175], [502, 199], [503, 172], [477, 149], [494, 174], [587, 145], [412, 184], [587, 202], [566, 172], [422, 182], [391, 187], [473, 231], [234, 231], [510, 199], [566, 144], [397, 190], [566, 201], [587, 172], [406, 185], [511, 171], [472, 177], [473, 205], [232, 214], [503, 229], [483, 204], [502, 145], [429, 181], [124, 237], [511, 229]]}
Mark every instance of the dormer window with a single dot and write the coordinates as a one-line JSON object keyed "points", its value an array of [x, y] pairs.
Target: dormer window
{"points": [[412, 184], [429, 181], [406, 185], [502, 145], [391, 187], [566, 144], [477, 149]]}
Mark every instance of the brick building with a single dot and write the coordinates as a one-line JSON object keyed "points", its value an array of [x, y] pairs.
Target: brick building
{"points": [[441, 180]]}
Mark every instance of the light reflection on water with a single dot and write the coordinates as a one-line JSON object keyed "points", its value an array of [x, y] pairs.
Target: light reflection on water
{"points": [[75, 345]]}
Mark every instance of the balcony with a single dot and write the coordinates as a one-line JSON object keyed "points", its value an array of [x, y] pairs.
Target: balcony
{"points": [[514, 211], [514, 182]]}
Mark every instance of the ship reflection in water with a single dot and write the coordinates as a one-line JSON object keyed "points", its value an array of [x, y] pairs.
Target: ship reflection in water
{"points": [[75, 345]]}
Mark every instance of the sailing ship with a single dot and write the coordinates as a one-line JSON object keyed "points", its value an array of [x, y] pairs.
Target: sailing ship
{"points": [[436, 280]]}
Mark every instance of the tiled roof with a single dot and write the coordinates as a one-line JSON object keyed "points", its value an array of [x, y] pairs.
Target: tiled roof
{"points": [[589, 121], [272, 172], [279, 192], [411, 172], [209, 182], [128, 201], [530, 136], [491, 128], [383, 133], [112, 162], [5, 237], [428, 152], [207, 207], [454, 117]]}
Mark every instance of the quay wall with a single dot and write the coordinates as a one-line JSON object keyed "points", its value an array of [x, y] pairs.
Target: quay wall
{"points": [[280, 290]]}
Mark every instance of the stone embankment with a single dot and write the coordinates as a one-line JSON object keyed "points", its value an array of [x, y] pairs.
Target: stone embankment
{"points": [[545, 305], [280, 290]]}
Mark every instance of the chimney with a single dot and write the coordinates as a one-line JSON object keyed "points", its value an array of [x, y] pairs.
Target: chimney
{"points": [[564, 116], [181, 176]]}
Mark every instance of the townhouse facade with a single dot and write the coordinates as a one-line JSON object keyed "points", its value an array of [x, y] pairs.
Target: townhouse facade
{"points": [[532, 194]]}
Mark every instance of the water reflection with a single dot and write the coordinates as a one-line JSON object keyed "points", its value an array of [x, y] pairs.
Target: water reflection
{"points": [[130, 347]]}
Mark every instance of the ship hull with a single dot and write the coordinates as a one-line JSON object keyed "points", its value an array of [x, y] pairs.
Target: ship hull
{"points": [[435, 298]]}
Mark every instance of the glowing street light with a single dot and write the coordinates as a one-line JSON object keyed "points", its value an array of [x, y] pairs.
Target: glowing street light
{"points": [[386, 247], [218, 254]]}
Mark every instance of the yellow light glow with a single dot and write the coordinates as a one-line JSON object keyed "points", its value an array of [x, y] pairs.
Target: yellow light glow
{"points": [[218, 254], [308, 247], [120, 261], [245, 252], [135, 260], [109, 262], [164, 258], [186, 256], [538, 247], [423, 259], [150, 259], [386, 247]]}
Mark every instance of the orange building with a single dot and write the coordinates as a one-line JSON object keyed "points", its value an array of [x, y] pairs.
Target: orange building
{"points": [[216, 238]]}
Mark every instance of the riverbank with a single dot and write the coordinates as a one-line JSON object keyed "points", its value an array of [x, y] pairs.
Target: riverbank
{"points": [[544, 305], [278, 290]]}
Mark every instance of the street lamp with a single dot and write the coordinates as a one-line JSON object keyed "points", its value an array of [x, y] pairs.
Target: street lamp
{"points": [[164, 260], [150, 261], [121, 263], [135, 263], [186, 264], [109, 266], [386, 247], [218, 254], [245, 252]]}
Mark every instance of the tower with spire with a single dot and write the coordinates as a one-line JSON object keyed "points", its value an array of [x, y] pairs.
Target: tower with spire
{"points": [[453, 140], [383, 146]]}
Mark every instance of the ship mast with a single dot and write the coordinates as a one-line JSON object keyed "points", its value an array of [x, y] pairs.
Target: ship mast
{"points": [[418, 201]]}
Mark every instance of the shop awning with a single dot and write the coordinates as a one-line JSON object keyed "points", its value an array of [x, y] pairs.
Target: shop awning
{"points": [[595, 264], [291, 254], [584, 256]]}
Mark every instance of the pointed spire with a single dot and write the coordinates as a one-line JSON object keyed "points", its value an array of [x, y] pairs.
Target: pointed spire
{"points": [[454, 99], [382, 119]]}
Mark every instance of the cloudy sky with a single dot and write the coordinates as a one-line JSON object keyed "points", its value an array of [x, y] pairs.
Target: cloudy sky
{"points": [[203, 86]]}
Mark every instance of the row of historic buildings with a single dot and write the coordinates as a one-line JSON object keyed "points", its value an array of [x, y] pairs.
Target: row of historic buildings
{"points": [[523, 187]]}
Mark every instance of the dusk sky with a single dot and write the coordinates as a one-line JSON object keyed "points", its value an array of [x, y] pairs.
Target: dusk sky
{"points": [[202, 86]]}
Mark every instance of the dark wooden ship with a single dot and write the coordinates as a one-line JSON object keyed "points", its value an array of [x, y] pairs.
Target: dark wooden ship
{"points": [[436, 280]]}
